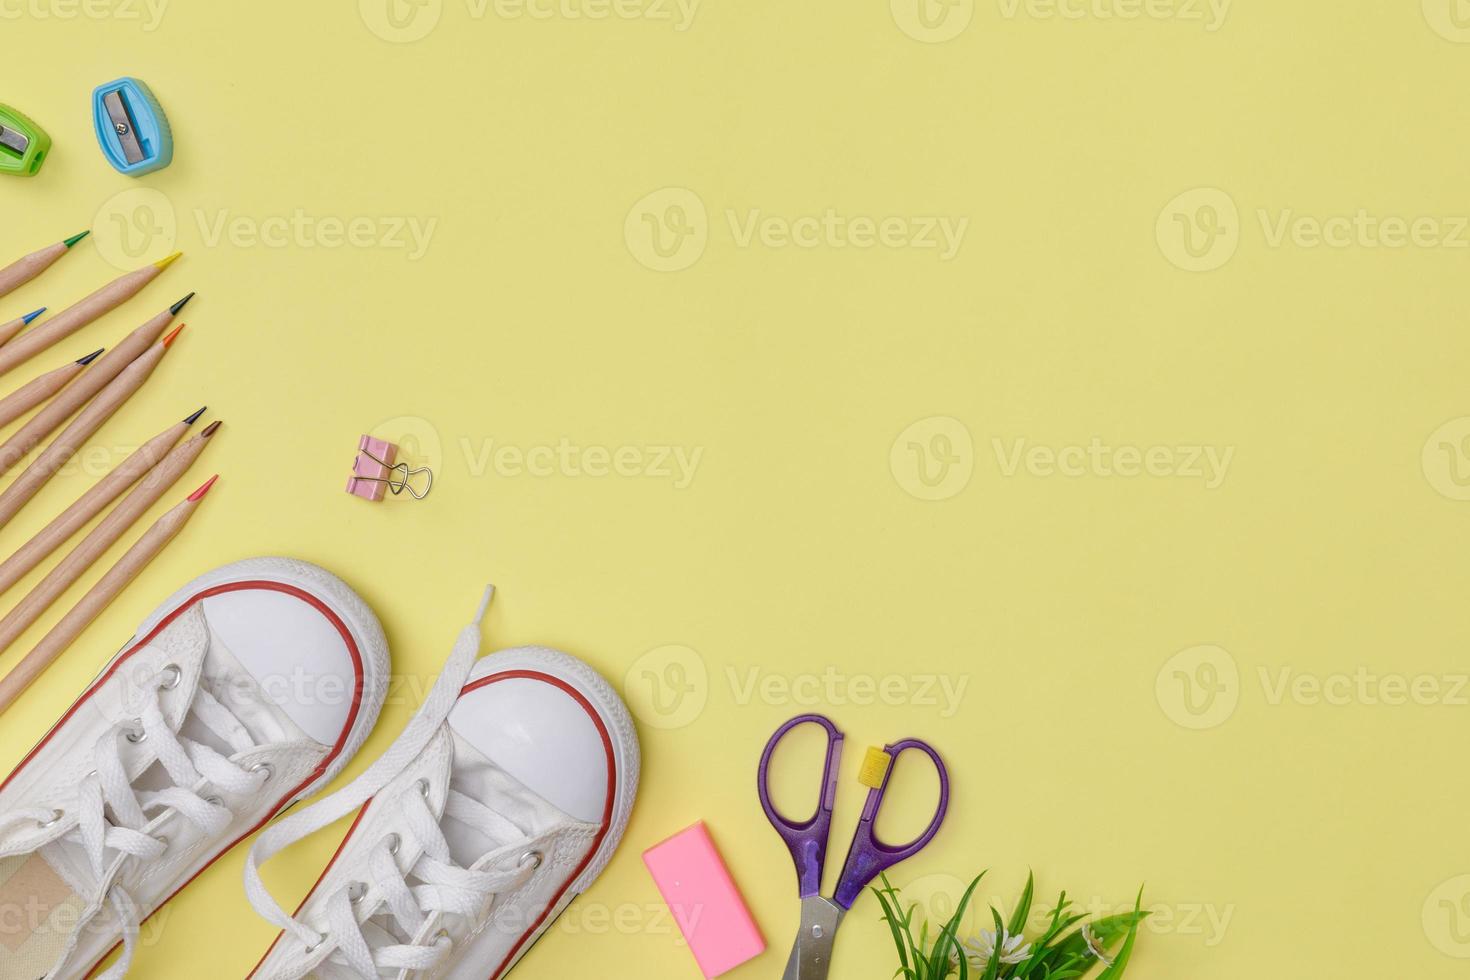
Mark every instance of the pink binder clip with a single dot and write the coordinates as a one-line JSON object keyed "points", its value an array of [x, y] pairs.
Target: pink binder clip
{"points": [[376, 470]]}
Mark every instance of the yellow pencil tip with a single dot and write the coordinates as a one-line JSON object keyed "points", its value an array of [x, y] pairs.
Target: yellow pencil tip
{"points": [[162, 264]]}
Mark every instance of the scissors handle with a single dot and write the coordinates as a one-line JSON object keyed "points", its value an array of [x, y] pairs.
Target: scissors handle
{"points": [[868, 857], [806, 839]]}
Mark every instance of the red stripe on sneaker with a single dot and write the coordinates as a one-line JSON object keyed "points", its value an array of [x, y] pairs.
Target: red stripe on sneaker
{"points": [[603, 830], [290, 590]]}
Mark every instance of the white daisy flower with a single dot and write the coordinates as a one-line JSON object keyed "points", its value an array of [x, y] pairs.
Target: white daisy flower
{"points": [[984, 948], [1095, 945]]}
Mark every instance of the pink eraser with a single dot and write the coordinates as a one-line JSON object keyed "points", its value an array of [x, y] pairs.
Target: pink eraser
{"points": [[366, 466], [708, 907]]}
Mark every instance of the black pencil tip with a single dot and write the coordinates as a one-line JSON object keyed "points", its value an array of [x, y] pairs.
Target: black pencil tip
{"points": [[92, 356], [195, 417], [180, 304]]}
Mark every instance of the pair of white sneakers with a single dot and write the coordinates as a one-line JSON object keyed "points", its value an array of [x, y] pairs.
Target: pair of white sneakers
{"points": [[250, 689]]}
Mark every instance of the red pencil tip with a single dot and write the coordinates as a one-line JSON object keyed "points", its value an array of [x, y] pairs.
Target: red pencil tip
{"points": [[173, 335], [199, 494]]}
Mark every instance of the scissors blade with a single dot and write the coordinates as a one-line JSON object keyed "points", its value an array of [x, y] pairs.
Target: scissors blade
{"points": [[811, 957]]}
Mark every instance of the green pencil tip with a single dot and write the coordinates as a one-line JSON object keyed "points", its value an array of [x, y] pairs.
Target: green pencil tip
{"points": [[76, 238]]}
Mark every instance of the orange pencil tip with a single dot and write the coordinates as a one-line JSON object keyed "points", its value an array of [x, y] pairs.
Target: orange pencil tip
{"points": [[173, 335], [198, 494], [162, 264]]}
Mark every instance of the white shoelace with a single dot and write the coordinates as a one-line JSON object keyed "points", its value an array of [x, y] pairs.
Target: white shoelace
{"points": [[109, 843], [445, 889]]}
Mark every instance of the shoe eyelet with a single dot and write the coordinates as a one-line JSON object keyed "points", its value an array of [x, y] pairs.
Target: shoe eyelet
{"points": [[56, 816], [313, 947], [214, 801], [423, 786], [171, 676], [266, 768], [534, 858], [357, 891], [136, 734], [162, 840], [394, 842], [443, 935]]}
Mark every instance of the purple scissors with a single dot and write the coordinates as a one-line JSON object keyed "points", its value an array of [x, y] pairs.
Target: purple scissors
{"points": [[867, 857]]}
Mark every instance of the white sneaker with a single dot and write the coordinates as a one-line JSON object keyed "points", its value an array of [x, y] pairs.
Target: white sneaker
{"points": [[247, 690], [502, 800]]}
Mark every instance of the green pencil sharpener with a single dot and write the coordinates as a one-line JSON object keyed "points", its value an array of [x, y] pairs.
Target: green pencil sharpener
{"points": [[23, 144]]}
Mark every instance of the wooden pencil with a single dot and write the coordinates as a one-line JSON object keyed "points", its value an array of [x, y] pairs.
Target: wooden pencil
{"points": [[99, 539], [24, 269], [62, 407], [18, 324], [91, 503], [74, 437], [34, 392], [99, 597], [79, 314]]}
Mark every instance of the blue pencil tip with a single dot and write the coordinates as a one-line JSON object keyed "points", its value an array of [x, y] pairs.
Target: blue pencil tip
{"points": [[31, 316]]}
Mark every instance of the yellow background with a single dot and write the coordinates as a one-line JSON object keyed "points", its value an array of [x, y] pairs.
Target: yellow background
{"points": [[1330, 836]]}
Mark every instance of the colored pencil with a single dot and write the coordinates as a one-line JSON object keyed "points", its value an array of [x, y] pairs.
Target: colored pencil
{"points": [[99, 597], [99, 539], [23, 270], [79, 314], [74, 437], [91, 503], [18, 324], [33, 393], [61, 408]]}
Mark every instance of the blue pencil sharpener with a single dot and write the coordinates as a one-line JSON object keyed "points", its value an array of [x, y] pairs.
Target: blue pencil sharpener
{"points": [[131, 128]]}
